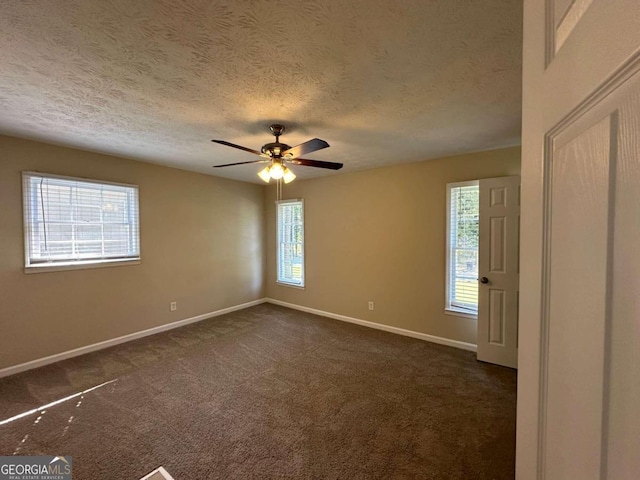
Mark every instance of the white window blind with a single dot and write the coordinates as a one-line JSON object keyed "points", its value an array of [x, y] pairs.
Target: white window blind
{"points": [[462, 252], [70, 221], [290, 231]]}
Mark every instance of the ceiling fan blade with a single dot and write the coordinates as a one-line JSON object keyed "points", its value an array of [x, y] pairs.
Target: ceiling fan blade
{"points": [[240, 147], [240, 163], [316, 163], [304, 148]]}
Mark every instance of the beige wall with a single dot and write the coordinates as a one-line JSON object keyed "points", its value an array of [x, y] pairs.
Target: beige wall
{"points": [[380, 235], [202, 243], [375, 235]]}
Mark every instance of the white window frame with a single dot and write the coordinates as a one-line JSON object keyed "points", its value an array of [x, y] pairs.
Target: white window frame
{"points": [[74, 264], [450, 309], [279, 279]]}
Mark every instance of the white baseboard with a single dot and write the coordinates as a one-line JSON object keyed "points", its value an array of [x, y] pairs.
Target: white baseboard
{"points": [[387, 328], [40, 362]]}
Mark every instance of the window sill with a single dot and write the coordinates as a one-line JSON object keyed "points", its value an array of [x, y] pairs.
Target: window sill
{"points": [[292, 285], [59, 267], [460, 313]]}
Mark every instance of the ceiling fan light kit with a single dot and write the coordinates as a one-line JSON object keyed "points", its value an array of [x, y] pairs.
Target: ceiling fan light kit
{"points": [[277, 154], [276, 172]]}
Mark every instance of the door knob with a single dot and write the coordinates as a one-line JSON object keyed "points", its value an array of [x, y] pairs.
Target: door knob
{"points": [[484, 280]]}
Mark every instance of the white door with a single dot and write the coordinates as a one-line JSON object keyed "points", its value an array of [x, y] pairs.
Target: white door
{"points": [[498, 271], [579, 334]]}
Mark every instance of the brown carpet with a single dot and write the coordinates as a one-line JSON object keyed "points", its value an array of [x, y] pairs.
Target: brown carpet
{"points": [[269, 392]]}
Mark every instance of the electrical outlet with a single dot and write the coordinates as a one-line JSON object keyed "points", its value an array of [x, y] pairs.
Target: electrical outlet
{"points": [[371, 305], [173, 306]]}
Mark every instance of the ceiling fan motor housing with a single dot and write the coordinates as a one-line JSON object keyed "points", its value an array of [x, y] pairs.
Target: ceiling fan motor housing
{"points": [[275, 149]]}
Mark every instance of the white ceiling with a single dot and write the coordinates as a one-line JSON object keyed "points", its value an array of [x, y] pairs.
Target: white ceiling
{"points": [[383, 82]]}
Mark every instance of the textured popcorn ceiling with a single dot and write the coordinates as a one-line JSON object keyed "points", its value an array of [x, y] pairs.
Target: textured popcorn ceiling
{"points": [[382, 81]]}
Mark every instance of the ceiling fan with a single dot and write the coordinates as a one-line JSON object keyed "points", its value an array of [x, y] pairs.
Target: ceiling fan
{"points": [[279, 154]]}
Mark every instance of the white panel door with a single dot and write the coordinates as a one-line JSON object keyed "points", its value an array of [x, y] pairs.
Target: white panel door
{"points": [[579, 335], [591, 330], [498, 271], [577, 275]]}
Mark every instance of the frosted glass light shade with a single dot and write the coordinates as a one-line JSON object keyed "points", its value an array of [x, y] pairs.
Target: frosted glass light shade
{"points": [[288, 176], [264, 174]]}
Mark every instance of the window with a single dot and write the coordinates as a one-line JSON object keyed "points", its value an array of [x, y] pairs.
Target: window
{"points": [[463, 210], [74, 222], [291, 242]]}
